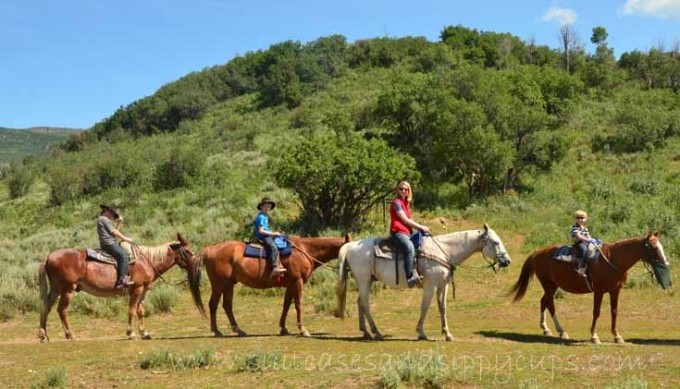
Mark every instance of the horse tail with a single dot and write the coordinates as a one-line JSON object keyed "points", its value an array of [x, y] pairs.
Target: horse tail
{"points": [[194, 278], [520, 287], [343, 273], [42, 282]]}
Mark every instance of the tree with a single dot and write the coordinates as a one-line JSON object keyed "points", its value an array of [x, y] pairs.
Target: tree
{"points": [[569, 42], [339, 178]]}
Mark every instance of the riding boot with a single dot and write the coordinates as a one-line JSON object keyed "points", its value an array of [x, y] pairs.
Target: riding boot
{"points": [[582, 267]]}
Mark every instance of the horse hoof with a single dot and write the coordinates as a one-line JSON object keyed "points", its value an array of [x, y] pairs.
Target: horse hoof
{"points": [[146, 336], [378, 337], [367, 336], [284, 332], [547, 333], [449, 338], [305, 334], [241, 334], [619, 339], [422, 337], [595, 340], [564, 336], [218, 334]]}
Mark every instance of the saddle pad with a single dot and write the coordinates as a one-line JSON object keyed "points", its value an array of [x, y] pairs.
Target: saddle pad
{"points": [[384, 248], [101, 256], [563, 254], [256, 250]]}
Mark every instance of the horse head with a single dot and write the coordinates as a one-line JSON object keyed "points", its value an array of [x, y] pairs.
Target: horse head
{"points": [[492, 246], [656, 258], [182, 251]]}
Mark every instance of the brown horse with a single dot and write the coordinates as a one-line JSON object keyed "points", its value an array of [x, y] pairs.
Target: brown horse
{"points": [[67, 271], [226, 266], [607, 275]]}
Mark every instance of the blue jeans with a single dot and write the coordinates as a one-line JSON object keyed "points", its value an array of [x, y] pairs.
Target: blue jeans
{"points": [[122, 260], [582, 249], [406, 246], [272, 250]]}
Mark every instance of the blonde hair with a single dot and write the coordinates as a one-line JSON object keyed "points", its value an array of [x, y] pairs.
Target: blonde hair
{"points": [[409, 195], [580, 212]]}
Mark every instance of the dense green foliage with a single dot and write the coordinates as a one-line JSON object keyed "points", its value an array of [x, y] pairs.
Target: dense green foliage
{"points": [[489, 127], [17, 144]]}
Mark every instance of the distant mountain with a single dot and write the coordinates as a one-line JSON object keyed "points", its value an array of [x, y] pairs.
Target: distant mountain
{"points": [[16, 144]]}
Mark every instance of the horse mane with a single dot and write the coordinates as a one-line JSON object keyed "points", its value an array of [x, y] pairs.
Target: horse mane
{"points": [[154, 254]]}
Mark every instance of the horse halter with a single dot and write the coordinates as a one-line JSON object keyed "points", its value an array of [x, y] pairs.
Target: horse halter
{"points": [[185, 256], [652, 255], [503, 254]]}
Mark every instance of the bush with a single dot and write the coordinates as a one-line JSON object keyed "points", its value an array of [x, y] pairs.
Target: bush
{"points": [[162, 298], [19, 181]]}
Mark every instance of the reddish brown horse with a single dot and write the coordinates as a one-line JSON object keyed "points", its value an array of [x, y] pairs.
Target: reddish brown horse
{"points": [[605, 276], [67, 271], [226, 266]]}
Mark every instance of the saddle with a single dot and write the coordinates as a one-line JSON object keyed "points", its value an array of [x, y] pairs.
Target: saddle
{"points": [[257, 250], [567, 253], [102, 256], [386, 248]]}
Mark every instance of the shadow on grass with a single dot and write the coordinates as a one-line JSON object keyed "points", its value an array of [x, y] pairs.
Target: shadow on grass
{"points": [[655, 342], [524, 338]]}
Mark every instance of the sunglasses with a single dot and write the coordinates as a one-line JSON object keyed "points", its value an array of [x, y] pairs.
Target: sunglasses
{"points": [[580, 218], [403, 188]]}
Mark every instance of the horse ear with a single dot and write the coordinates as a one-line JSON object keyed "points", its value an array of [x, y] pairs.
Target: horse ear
{"points": [[656, 233], [649, 234], [181, 239], [486, 227], [348, 237]]}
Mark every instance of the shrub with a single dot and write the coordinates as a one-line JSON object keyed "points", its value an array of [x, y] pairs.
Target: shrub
{"points": [[19, 181], [162, 298]]}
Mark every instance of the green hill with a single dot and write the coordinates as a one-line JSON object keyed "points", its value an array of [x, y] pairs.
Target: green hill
{"points": [[17, 144]]}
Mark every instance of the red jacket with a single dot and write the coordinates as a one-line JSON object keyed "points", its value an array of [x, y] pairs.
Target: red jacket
{"points": [[396, 225]]}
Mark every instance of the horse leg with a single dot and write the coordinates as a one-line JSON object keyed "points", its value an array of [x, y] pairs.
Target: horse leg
{"points": [[141, 312], [228, 305], [297, 297], [215, 297], [614, 303], [365, 306], [428, 293], [543, 323], [62, 309], [51, 298], [549, 295], [135, 300], [597, 304], [441, 300], [287, 300]]}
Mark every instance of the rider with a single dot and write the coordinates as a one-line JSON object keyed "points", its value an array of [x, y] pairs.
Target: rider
{"points": [[400, 228], [264, 234], [581, 237], [107, 241]]}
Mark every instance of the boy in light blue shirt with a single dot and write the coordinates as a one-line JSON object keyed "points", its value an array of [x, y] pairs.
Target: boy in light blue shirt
{"points": [[266, 235]]}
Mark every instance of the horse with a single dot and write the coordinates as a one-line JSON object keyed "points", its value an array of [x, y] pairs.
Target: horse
{"points": [[226, 266], [68, 271], [606, 276], [438, 258]]}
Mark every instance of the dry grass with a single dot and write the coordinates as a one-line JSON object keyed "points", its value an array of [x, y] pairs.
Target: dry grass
{"points": [[496, 342]]}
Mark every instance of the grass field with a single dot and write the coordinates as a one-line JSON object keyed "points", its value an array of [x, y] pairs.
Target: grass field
{"points": [[496, 342]]}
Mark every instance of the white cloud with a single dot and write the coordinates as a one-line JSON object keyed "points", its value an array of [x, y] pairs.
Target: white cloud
{"points": [[563, 15], [667, 9]]}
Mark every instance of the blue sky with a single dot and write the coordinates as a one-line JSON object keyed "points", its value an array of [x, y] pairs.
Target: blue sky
{"points": [[73, 63]]}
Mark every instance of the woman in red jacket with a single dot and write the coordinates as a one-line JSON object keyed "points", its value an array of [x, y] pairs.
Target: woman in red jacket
{"points": [[401, 226]]}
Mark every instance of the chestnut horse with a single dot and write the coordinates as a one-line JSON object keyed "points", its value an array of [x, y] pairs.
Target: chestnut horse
{"points": [[68, 271], [607, 275], [226, 266]]}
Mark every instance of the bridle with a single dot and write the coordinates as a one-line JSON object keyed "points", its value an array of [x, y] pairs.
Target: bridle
{"points": [[184, 264]]}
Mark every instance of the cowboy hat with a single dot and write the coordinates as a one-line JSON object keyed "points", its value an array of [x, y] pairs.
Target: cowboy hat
{"points": [[266, 200], [111, 208]]}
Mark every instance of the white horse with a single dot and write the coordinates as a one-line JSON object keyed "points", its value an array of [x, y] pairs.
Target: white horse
{"points": [[438, 258]]}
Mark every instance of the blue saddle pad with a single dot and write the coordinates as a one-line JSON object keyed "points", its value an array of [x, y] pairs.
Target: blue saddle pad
{"points": [[563, 254], [257, 251]]}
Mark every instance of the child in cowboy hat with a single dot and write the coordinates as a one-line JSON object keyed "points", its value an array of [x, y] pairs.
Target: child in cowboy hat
{"points": [[107, 241], [266, 235]]}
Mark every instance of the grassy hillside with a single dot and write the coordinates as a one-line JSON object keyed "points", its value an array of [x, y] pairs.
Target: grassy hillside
{"points": [[17, 144]]}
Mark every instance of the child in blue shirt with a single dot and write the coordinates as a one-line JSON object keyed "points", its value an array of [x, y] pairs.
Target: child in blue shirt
{"points": [[266, 235], [581, 237]]}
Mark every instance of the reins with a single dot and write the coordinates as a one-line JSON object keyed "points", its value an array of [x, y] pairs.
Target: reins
{"points": [[452, 266], [309, 256]]}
